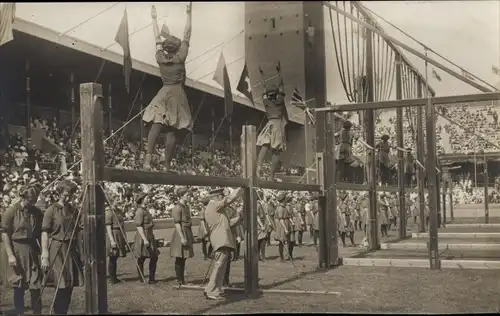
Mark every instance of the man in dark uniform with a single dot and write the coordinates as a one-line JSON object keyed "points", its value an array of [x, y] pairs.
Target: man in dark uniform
{"points": [[221, 238], [272, 137]]}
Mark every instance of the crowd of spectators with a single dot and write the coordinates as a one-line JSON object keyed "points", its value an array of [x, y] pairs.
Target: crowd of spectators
{"points": [[23, 165]]}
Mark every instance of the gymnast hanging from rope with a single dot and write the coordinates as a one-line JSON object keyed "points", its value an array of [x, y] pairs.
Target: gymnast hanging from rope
{"points": [[273, 137], [169, 110]]}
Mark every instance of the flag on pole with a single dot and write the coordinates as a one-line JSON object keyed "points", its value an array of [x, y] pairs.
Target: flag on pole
{"points": [[495, 70], [296, 97], [221, 76], [467, 75], [7, 15], [244, 84], [436, 75], [122, 38]]}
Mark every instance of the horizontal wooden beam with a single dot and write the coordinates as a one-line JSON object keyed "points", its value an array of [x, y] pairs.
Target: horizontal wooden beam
{"points": [[465, 157], [150, 177], [408, 48], [393, 104], [365, 187], [287, 186]]}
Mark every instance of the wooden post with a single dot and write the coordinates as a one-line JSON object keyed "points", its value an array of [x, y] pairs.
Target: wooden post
{"points": [[110, 106], [400, 139], [94, 256], [438, 195], [72, 100], [141, 123], [212, 139], [329, 174], [373, 236], [450, 185], [444, 191], [431, 183], [486, 183], [230, 118], [249, 158], [420, 157], [315, 90], [28, 102]]}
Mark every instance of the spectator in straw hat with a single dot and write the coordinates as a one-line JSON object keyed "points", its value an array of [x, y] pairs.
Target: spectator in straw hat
{"points": [[21, 226], [221, 238], [181, 247]]}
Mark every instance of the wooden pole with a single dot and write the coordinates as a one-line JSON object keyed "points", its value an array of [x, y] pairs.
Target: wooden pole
{"points": [[94, 252], [400, 139], [444, 191], [450, 185], [430, 130], [141, 123], [420, 157], [28, 101], [373, 236], [315, 90], [486, 183], [73, 104], [330, 179], [249, 158], [110, 106]]}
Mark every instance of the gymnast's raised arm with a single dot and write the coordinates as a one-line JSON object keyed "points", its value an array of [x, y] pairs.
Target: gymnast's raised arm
{"points": [[187, 29], [156, 30]]}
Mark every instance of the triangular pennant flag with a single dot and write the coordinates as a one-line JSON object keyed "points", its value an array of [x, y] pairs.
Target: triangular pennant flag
{"points": [[221, 76], [296, 97], [122, 38], [37, 168], [7, 15], [244, 85], [436, 75]]}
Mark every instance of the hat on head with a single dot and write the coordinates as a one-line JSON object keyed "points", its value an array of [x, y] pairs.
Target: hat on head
{"points": [[180, 191], [66, 185], [140, 198], [281, 197], [28, 192], [171, 43], [216, 191], [204, 200], [347, 125]]}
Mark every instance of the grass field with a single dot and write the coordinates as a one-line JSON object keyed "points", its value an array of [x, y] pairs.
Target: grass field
{"points": [[360, 289]]}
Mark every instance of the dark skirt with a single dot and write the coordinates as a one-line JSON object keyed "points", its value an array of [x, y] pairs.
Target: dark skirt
{"points": [[64, 274], [27, 274], [170, 107], [121, 244], [177, 250], [141, 251]]}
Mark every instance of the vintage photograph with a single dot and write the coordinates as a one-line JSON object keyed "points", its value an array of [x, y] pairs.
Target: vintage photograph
{"points": [[250, 157]]}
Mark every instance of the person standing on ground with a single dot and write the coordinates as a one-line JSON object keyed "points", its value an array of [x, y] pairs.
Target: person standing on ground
{"points": [[181, 247], [221, 238], [21, 229]]}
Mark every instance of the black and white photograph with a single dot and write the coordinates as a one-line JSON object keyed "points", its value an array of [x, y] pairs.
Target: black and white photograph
{"points": [[250, 157]]}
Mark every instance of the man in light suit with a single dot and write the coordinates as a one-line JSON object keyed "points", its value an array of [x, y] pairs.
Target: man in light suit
{"points": [[222, 238]]}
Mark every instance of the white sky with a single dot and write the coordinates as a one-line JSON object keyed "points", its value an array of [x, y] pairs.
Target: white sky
{"points": [[467, 32]]}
